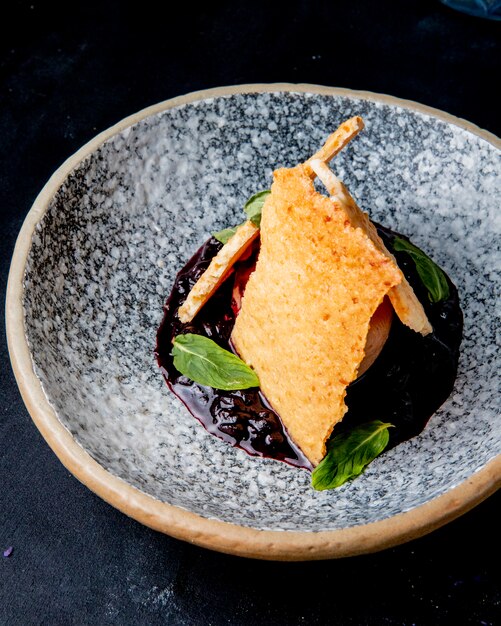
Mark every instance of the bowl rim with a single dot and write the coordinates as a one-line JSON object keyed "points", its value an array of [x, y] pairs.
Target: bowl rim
{"points": [[176, 521]]}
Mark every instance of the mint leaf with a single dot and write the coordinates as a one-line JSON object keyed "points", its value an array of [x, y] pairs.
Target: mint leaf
{"points": [[254, 205], [430, 274], [349, 453], [226, 234], [202, 360], [252, 208]]}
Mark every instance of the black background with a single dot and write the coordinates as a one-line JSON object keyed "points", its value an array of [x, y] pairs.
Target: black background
{"points": [[70, 71]]}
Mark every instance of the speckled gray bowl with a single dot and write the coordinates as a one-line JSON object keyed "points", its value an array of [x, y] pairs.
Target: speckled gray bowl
{"points": [[96, 259]]}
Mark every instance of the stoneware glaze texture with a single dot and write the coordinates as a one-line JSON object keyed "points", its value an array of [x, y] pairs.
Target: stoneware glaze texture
{"points": [[104, 256]]}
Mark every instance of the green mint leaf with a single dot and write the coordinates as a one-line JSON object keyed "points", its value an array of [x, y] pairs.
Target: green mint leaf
{"points": [[349, 453], [430, 274], [226, 234], [254, 205], [252, 208], [202, 360]]}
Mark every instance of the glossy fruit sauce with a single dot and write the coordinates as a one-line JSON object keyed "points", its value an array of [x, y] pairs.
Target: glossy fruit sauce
{"points": [[408, 382]]}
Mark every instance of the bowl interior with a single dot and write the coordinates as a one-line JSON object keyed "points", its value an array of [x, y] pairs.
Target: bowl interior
{"points": [[105, 253]]}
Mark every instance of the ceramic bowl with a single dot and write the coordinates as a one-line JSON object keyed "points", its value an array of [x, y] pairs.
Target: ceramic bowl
{"points": [[96, 259]]}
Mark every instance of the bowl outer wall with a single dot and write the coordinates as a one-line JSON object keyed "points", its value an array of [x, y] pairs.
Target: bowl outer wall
{"points": [[175, 521]]}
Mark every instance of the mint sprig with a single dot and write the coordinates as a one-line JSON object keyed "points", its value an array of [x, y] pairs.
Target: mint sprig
{"points": [[226, 234], [203, 361], [349, 453], [432, 277], [254, 206], [253, 209]]}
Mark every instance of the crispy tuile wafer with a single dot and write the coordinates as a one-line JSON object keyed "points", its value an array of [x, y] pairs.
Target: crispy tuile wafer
{"points": [[217, 271], [307, 307], [234, 248], [405, 302], [335, 142]]}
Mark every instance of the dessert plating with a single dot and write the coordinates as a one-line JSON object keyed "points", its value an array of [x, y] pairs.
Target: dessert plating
{"points": [[321, 274]]}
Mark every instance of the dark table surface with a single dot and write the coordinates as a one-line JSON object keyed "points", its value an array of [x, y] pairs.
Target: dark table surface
{"points": [[67, 73]]}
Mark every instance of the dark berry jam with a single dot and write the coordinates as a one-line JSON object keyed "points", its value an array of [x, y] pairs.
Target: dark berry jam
{"points": [[408, 382]]}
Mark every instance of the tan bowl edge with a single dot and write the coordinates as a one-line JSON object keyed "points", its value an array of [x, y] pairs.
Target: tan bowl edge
{"points": [[172, 520]]}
